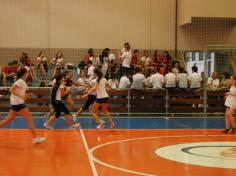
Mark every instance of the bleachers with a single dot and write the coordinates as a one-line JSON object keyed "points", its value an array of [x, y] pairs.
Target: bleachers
{"points": [[147, 101]]}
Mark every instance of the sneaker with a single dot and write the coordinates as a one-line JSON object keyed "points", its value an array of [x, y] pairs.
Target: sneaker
{"points": [[102, 121], [74, 118], [37, 140], [100, 126], [47, 126], [113, 126], [232, 131], [74, 126], [226, 130]]}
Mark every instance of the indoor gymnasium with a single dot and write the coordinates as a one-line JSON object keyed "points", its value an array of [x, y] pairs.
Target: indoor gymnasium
{"points": [[117, 87]]}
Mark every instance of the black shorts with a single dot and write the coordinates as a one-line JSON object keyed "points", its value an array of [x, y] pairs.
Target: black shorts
{"points": [[91, 99], [18, 107], [60, 107], [102, 100]]}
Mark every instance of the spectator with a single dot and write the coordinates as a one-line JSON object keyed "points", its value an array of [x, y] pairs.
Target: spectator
{"points": [[175, 66], [195, 78], [157, 80], [145, 60], [154, 60], [89, 54], [124, 81], [138, 80], [213, 82], [90, 70], [58, 63], [104, 60], [182, 79], [9, 73], [134, 59], [126, 60], [42, 65], [26, 61], [113, 82], [170, 79], [225, 82]]}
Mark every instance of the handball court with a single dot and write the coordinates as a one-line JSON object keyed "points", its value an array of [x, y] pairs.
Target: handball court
{"points": [[130, 149]]}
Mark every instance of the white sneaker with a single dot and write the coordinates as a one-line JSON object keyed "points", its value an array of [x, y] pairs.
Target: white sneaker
{"points": [[74, 118], [74, 126], [100, 126], [47, 126], [102, 121], [37, 140]]}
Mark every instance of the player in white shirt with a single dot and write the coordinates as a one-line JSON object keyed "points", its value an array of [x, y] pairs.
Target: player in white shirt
{"points": [[157, 80], [124, 82], [230, 103], [17, 100], [101, 100], [182, 79], [138, 80], [195, 78]]}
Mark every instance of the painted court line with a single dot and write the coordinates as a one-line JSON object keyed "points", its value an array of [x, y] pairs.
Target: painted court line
{"points": [[90, 157], [134, 139]]}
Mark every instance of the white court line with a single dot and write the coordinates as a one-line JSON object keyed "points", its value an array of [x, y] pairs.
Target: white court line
{"points": [[135, 139], [90, 157]]}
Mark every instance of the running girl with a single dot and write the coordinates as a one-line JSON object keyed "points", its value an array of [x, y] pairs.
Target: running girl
{"points": [[101, 100], [17, 101], [58, 92]]}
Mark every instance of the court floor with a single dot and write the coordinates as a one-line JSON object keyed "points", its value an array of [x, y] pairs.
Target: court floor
{"points": [[183, 146]]}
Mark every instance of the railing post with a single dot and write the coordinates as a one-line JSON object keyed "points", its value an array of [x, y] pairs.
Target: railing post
{"points": [[128, 102], [205, 82], [167, 104]]}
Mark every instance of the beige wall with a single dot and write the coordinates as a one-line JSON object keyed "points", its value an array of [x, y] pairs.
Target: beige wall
{"points": [[87, 23], [205, 8]]}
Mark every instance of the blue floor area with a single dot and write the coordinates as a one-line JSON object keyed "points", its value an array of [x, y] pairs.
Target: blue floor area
{"points": [[132, 123]]}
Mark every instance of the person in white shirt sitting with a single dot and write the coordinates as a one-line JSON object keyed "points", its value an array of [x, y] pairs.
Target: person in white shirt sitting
{"points": [[182, 79], [124, 81], [157, 80], [113, 82], [170, 80], [138, 80], [213, 82], [195, 78]]}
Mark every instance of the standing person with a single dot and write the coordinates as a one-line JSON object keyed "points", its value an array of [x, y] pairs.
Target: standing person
{"points": [[56, 99], [58, 63], [42, 65], [230, 104], [126, 59], [17, 101], [101, 100]]}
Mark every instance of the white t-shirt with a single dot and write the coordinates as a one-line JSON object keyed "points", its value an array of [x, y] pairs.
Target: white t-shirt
{"points": [[124, 82], [170, 80], [92, 83], [138, 80], [39, 59], [21, 87], [101, 89], [213, 83], [195, 79], [126, 57], [182, 79], [104, 66], [90, 71], [157, 80], [113, 83], [146, 61], [111, 57]]}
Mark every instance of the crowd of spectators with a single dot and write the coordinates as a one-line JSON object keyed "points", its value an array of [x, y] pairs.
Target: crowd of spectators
{"points": [[129, 69]]}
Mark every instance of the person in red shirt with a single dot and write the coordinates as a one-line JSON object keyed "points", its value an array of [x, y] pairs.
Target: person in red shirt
{"points": [[9, 73], [89, 54]]}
